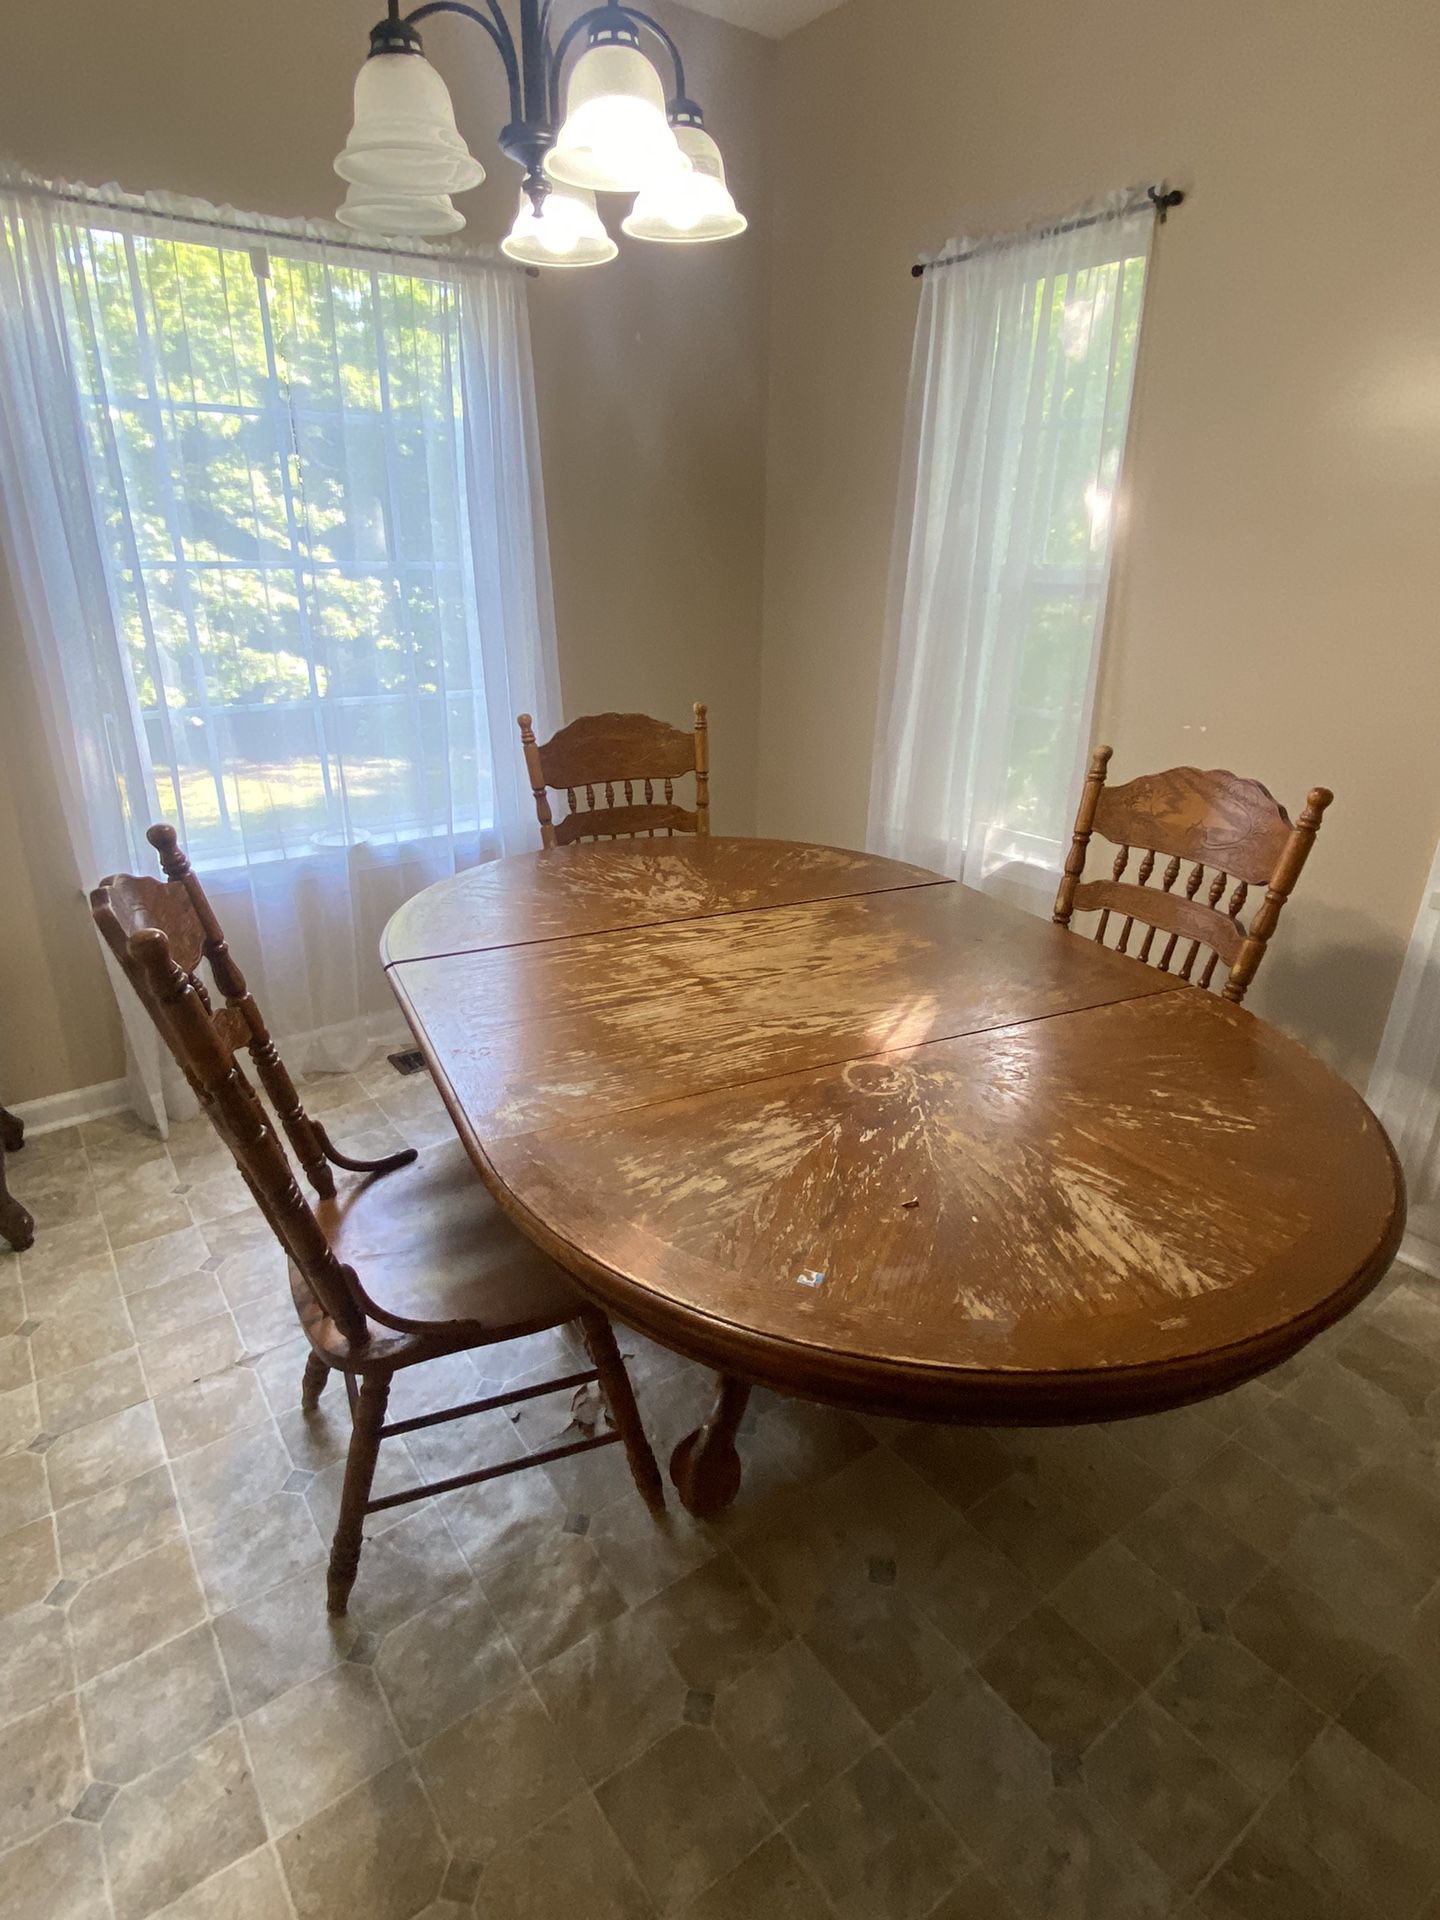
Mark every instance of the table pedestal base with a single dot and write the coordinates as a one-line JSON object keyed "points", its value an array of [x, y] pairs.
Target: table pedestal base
{"points": [[705, 1467]]}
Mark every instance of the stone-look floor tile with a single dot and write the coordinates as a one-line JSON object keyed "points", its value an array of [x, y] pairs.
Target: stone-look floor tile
{"points": [[875, 1845], [42, 1769], [13, 1311], [977, 1760], [505, 1517], [713, 1624], [1193, 1551], [59, 1876], [169, 1308], [217, 1483], [375, 1852], [1397, 1368], [120, 1524], [976, 1897], [104, 1454], [173, 1828], [1175, 1444], [406, 1567], [252, 1888], [275, 1540], [457, 1447], [19, 1418], [1071, 1861], [171, 1256], [498, 1773], [205, 1348], [790, 1728], [1259, 1504], [394, 1473], [612, 1694], [1239, 1709], [552, 1598], [64, 1254], [16, 1367], [685, 1814], [197, 1415], [1351, 1569], [317, 1742], [886, 1656], [1318, 1644], [1045, 1537], [29, 1564], [1397, 1716], [644, 1554], [107, 1386], [216, 1193], [962, 1463], [24, 1494], [771, 1880], [1399, 1504], [1063, 1688], [442, 1662], [266, 1321], [144, 1713], [134, 1607], [1310, 1451], [315, 1440], [1167, 1792], [573, 1864], [36, 1666], [976, 1594], [281, 1638], [132, 1218], [1126, 1610], [1375, 1829]]}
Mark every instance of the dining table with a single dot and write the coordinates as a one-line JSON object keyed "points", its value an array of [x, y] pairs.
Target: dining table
{"points": [[841, 1127]]}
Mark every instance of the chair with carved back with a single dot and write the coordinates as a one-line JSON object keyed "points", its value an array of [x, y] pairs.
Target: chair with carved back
{"points": [[412, 1263], [180, 907], [627, 756], [1231, 833]]}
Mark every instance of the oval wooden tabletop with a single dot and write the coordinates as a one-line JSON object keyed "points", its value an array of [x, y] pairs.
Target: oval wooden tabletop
{"points": [[843, 1127]]}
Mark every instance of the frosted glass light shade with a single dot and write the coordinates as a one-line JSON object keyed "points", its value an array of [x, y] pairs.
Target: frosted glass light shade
{"points": [[404, 156], [691, 204], [615, 137], [374, 210], [566, 232]]}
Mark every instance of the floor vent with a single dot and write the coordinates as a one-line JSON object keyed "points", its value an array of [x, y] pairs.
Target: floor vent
{"points": [[411, 1062]]}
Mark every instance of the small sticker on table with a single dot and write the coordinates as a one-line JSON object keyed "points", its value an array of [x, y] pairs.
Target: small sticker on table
{"points": [[809, 1278]]}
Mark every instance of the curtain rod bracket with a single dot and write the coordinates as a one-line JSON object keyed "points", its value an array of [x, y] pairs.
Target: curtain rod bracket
{"points": [[1162, 200]]}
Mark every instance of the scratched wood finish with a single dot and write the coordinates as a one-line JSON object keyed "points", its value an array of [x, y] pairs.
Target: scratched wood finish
{"points": [[618, 773], [565, 891], [1232, 834], [1076, 1204], [411, 1264], [528, 1036]]}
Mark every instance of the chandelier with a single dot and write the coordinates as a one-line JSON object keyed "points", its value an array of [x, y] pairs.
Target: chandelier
{"points": [[619, 134]]}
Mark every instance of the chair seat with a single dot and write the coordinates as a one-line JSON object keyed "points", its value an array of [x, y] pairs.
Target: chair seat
{"points": [[430, 1245]]}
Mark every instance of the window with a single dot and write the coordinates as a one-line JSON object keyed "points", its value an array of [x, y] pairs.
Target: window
{"points": [[276, 444], [1020, 394]]}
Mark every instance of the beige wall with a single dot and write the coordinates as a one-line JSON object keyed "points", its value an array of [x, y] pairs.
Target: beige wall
{"points": [[1276, 610], [649, 372]]}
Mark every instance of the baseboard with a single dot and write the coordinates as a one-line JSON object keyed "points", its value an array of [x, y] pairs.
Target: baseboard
{"points": [[55, 1110]]}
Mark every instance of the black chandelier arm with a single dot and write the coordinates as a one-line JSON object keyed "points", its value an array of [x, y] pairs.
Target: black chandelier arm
{"points": [[498, 28], [588, 19]]}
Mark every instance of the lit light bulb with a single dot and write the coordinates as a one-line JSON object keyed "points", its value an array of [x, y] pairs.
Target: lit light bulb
{"points": [[566, 231]]}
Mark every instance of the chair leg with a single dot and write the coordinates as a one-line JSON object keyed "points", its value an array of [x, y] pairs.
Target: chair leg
{"points": [[359, 1472], [313, 1384], [619, 1395]]}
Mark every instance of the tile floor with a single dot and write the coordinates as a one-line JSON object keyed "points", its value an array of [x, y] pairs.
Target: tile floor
{"points": [[1189, 1665]]}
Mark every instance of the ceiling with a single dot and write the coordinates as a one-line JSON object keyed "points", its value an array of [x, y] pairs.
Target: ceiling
{"points": [[773, 17]]}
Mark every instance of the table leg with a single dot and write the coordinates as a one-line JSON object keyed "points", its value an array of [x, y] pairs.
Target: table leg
{"points": [[705, 1467], [16, 1226]]}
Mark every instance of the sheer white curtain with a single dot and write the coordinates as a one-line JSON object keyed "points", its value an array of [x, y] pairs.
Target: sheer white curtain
{"points": [[274, 511], [1405, 1086], [1019, 398]]}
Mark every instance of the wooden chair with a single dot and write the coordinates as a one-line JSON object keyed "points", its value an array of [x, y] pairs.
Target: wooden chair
{"points": [[395, 1271], [624, 750], [1216, 821], [16, 1225]]}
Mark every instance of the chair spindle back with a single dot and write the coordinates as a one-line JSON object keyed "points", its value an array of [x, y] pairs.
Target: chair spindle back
{"points": [[627, 756], [1232, 834]]}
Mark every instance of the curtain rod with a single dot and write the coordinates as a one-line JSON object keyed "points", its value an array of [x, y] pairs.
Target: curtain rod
{"points": [[1158, 196], [252, 233]]}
